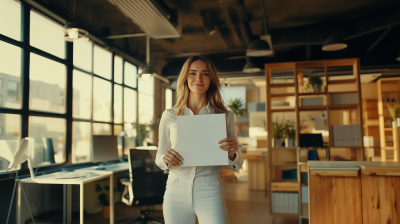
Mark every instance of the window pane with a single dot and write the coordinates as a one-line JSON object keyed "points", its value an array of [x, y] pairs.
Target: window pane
{"points": [[10, 136], [118, 69], [81, 147], [101, 100], [48, 135], [83, 54], [146, 86], [10, 75], [130, 105], [47, 85], [10, 19], [146, 108], [82, 95], [117, 129], [102, 62], [101, 129], [130, 74], [118, 104], [168, 99], [130, 138], [47, 35]]}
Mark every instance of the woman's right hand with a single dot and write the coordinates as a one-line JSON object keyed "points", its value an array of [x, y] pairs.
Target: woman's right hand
{"points": [[173, 158]]}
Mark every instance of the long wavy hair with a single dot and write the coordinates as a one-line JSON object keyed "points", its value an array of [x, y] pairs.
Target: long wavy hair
{"points": [[213, 93]]}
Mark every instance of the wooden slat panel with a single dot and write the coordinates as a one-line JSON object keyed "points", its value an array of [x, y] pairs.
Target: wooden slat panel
{"points": [[285, 186], [381, 196], [335, 200], [341, 62], [336, 173], [380, 170]]}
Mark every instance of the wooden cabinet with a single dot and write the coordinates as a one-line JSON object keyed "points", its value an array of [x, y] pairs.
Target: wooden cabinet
{"points": [[380, 194], [354, 192], [335, 196]]}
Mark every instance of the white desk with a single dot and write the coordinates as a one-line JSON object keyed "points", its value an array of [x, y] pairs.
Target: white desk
{"points": [[67, 192], [115, 168]]}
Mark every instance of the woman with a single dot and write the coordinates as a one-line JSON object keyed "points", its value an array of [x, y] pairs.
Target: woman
{"points": [[195, 190]]}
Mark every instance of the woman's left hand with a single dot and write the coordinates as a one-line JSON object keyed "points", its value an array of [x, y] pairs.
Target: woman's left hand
{"points": [[231, 146]]}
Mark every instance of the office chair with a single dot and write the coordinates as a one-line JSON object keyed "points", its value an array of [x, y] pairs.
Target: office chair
{"points": [[145, 186]]}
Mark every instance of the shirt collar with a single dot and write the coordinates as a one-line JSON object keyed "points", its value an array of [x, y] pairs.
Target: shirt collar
{"points": [[208, 107]]}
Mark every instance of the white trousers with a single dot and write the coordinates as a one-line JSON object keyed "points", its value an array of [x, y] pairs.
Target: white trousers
{"points": [[203, 196]]}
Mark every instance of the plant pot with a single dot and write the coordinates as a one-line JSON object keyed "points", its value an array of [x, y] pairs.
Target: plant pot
{"points": [[277, 142], [106, 211], [290, 142], [317, 88]]}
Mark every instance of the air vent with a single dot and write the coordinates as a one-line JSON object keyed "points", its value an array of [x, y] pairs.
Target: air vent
{"points": [[146, 15]]}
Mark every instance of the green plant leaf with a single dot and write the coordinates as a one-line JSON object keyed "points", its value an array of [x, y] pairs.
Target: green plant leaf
{"points": [[236, 106], [103, 199], [107, 188], [315, 80], [98, 188], [394, 111]]}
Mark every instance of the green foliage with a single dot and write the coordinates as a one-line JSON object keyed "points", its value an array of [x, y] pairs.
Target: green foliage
{"points": [[315, 80], [236, 105], [290, 129], [278, 129], [104, 199], [394, 111], [141, 131]]}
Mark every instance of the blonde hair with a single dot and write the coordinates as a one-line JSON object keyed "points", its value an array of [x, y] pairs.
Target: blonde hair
{"points": [[213, 95]]}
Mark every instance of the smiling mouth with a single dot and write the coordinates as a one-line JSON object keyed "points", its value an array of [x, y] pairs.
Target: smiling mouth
{"points": [[198, 85]]}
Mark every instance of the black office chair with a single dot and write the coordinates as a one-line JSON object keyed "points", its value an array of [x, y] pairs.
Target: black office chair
{"points": [[145, 187]]}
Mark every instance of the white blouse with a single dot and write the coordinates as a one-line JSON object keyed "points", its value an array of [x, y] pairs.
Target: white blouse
{"points": [[167, 139]]}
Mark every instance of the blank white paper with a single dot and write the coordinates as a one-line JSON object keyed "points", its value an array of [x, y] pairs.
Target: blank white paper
{"points": [[198, 137]]}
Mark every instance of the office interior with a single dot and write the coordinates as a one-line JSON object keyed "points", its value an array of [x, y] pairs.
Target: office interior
{"points": [[314, 86]]}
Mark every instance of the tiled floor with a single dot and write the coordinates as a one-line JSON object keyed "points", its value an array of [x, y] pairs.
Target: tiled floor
{"points": [[244, 206]]}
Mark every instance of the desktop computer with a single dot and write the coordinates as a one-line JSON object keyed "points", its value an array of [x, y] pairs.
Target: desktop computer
{"points": [[104, 148]]}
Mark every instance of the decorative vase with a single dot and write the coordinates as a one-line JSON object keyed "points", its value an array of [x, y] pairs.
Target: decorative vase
{"points": [[277, 142], [393, 124], [398, 122], [290, 142], [317, 87], [106, 211]]}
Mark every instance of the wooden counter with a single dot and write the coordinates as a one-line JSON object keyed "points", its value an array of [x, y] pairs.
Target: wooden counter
{"points": [[257, 168], [354, 192]]}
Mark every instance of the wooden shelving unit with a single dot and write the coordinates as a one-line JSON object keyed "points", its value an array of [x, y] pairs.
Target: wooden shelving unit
{"points": [[388, 88], [330, 86], [371, 128]]}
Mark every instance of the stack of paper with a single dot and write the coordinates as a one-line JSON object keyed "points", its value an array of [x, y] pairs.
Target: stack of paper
{"points": [[346, 135], [285, 203]]}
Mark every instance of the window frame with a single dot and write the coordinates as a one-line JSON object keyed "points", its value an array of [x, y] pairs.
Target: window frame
{"points": [[25, 112]]}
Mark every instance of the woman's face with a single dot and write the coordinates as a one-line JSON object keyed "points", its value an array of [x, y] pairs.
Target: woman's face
{"points": [[199, 77]]}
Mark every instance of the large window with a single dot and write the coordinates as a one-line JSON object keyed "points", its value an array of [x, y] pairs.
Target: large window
{"points": [[104, 91]]}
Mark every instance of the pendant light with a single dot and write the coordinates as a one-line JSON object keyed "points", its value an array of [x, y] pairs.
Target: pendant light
{"points": [[398, 57], [334, 43], [146, 72], [73, 31], [259, 48], [251, 67]]}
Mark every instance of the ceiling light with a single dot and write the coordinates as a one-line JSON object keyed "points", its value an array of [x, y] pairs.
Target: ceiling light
{"points": [[251, 67], [259, 48], [398, 57], [145, 74], [334, 43], [74, 32]]}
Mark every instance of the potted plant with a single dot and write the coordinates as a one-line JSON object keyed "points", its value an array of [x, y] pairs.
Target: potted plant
{"points": [[141, 132], [277, 132], [316, 83], [104, 199], [290, 133], [394, 112], [236, 106]]}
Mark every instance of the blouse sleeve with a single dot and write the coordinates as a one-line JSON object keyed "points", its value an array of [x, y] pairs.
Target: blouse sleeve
{"points": [[163, 141], [237, 163]]}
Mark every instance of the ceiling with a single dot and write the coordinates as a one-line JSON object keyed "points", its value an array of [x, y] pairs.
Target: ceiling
{"points": [[298, 29]]}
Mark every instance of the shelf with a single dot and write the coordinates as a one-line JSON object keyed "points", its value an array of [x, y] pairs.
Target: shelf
{"points": [[343, 107], [311, 108], [344, 81], [302, 163], [313, 93], [353, 147], [284, 164], [283, 148], [281, 85], [282, 94], [287, 186], [282, 109], [303, 217], [388, 129], [285, 214], [330, 93]]}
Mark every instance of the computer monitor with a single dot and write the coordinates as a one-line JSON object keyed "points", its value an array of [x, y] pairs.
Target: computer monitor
{"points": [[311, 140], [104, 148]]}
